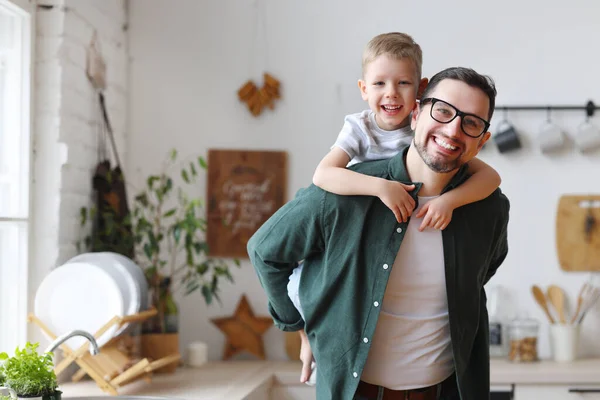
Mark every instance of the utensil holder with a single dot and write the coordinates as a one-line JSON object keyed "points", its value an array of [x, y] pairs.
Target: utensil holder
{"points": [[564, 340]]}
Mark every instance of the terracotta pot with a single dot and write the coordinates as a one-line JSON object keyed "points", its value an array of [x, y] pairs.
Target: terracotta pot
{"points": [[158, 345]]}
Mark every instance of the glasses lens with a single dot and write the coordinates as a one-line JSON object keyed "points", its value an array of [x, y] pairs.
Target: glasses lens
{"points": [[472, 125], [442, 112]]}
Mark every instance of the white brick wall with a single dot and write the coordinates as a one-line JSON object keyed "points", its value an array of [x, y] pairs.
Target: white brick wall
{"points": [[66, 121]]}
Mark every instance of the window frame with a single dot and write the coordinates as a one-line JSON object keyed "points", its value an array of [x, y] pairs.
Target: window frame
{"points": [[16, 320]]}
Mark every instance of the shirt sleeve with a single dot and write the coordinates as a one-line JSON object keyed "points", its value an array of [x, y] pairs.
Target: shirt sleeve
{"points": [[352, 138], [293, 233], [501, 248]]}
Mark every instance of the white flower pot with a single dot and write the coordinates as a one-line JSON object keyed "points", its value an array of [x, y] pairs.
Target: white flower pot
{"points": [[8, 392], [5, 391]]}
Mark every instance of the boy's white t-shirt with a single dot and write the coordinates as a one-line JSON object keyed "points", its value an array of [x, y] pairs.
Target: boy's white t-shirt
{"points": [[363, 140]]}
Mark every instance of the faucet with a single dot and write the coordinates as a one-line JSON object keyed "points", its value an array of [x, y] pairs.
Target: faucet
{"points": [[61, 339]]}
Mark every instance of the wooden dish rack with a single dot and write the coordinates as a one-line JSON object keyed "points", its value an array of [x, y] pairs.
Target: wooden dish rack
{"points": [[111, 368]]}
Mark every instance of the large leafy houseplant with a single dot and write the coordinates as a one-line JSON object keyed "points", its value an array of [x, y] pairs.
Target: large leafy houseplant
{"points": [[168, 228], [30, 374]]}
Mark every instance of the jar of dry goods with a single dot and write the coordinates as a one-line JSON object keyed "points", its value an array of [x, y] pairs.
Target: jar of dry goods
{"points": [[523, 338]]}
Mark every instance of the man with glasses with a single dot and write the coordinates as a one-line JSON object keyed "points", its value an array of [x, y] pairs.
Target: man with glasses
{"points": [[392, 312]]}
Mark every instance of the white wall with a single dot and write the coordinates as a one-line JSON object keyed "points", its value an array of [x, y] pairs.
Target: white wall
{"points": [[66, 118], [188, 60]]}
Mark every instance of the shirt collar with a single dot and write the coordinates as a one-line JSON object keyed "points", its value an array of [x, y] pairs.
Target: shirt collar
{"points": [[398, 172]]}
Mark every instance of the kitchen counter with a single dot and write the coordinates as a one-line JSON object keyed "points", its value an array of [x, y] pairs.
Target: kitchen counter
{"points": [[585, 371], [237, 380]]}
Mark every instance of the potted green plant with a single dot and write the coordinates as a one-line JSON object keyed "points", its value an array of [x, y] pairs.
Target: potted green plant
{"points": [[30, 374], [168, 226]]}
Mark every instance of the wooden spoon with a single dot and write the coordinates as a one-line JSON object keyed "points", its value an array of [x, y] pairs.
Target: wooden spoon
{"points": [[540, 298], [557, 299]]}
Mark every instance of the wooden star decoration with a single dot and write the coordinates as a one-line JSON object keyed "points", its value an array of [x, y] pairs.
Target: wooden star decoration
{"points": [[244, 331]]}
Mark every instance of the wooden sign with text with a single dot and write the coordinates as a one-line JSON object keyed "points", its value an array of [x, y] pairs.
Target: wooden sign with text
{"points": [[244, 189]]}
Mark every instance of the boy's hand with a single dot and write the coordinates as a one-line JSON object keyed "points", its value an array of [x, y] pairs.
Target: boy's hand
{"points": [[306, 356], [395, 196], [437, 212]]}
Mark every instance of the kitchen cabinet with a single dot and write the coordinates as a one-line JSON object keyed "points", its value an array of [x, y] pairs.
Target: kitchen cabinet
{"points": [[557, 392], [278, 380]]}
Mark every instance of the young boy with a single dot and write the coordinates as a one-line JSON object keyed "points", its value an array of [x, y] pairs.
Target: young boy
{"points": [[391, 84]]}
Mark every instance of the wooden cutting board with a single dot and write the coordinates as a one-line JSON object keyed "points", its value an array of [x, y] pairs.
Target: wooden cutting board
{"points": [[578, 251]]}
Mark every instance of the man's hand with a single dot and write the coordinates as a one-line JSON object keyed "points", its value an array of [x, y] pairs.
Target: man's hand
{"points": [[306, 356], [437, 212], [395, 196]]}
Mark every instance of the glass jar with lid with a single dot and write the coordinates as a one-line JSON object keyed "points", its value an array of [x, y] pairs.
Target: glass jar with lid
{"points": [[523, 336]]}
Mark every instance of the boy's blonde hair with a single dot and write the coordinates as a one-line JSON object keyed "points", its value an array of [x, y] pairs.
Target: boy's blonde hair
{"points": [[396, 45]]}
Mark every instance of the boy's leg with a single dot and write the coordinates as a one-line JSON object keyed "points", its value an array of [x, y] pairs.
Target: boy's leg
{"points": [[293, 288]]}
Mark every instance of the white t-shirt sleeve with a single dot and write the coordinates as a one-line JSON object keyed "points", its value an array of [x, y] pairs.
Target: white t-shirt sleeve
{"points": [[352, 138]]}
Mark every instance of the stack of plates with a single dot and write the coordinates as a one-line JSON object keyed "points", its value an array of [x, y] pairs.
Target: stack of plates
{"points": [[87, 291]]}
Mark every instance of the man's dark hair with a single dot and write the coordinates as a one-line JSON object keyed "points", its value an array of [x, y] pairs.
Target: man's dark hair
{"points": [[468, 76]]}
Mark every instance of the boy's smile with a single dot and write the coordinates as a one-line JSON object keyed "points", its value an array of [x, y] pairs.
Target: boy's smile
{"points": [[390, 88]]}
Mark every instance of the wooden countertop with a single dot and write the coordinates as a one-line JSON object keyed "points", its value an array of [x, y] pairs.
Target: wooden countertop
{"points": [[235, 380]]}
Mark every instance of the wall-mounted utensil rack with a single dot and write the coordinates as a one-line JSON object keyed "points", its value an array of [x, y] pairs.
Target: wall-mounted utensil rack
{"points": [[589, 108]]}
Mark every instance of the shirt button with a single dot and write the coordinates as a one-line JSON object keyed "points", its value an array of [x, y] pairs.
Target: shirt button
{"points": [[376, 304], [366, 340], [399, 230], [385, 266], [354, 374]]}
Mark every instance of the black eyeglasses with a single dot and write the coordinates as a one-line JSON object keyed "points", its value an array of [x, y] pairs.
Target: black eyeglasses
{"points": [[443, 112]]}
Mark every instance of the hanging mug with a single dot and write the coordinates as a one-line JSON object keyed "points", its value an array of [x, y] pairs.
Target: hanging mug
{"points": [[587, 137], [550, 137], [507, 138]]}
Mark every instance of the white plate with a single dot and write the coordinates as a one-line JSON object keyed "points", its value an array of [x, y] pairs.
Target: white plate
{"points": [[138, 274], [128, 276], [79, 296]]}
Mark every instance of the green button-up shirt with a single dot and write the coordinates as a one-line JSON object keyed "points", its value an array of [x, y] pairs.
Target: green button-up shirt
{"points": [[348, 244]]}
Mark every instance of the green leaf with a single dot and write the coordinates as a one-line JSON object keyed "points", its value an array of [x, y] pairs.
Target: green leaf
{"points": [[142, 199], [168, 186], [207, 293], [191, 287], [201, 268], [83, 215], [148, 250], [151, 180], [193, 169], [177, 233], [173, 154], [170, 213], [185, 176], [200, 247], [202, 163]]}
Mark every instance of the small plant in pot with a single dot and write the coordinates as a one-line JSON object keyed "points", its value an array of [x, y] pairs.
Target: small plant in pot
{"points": [[30, 374]]}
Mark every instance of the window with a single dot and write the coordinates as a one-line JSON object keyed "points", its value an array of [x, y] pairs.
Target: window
{"points": [[15, 147]]}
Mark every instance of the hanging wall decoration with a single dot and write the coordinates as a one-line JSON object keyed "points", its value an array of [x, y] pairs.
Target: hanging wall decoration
{"points": [[244, 189], [258, 98]]}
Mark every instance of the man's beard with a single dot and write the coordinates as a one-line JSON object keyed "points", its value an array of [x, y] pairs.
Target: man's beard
{"points": [[437, 164]]}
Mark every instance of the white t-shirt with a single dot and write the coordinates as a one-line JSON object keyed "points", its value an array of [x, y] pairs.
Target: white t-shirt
{"points": [[363, 140], [411, 345]]}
